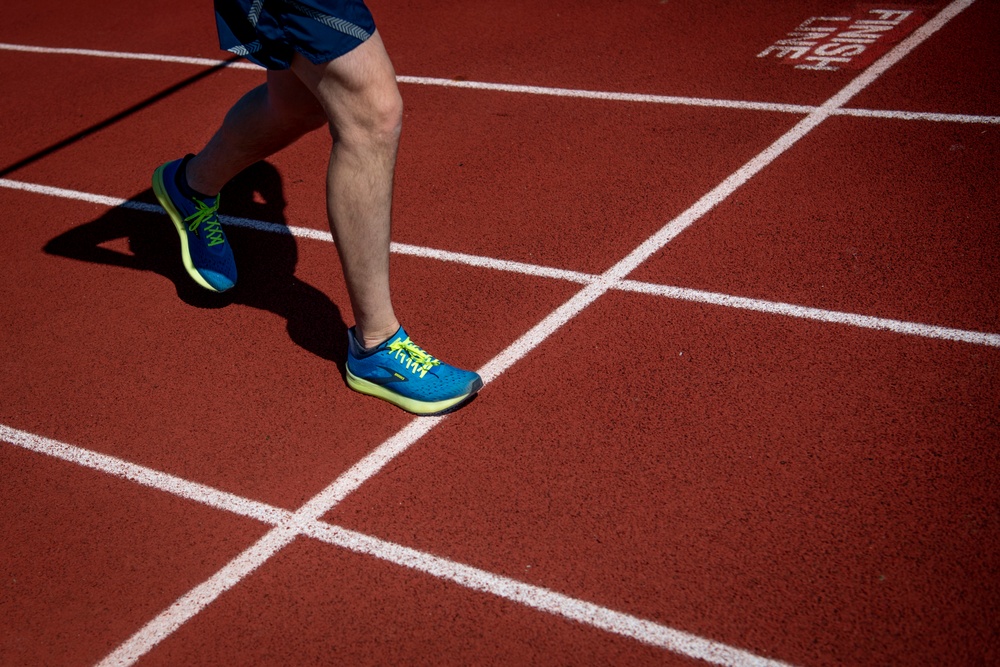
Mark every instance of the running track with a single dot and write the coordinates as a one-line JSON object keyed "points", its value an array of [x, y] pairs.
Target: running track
{"points": [[739, 321]]}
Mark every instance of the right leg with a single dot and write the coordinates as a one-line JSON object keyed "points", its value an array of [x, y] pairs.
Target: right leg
{"points": [[359, 94], [365, 111]]}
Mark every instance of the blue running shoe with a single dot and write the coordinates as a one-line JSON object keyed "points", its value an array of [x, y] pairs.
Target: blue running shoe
{"points": [[400, 372], [204, 248]]}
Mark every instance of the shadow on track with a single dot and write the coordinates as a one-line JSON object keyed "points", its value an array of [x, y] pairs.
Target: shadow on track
{"points": [[266, 261], [121, 115]]}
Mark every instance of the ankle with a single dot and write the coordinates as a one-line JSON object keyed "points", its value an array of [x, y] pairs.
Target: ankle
{"points": [[188, 179], [373, 337]]}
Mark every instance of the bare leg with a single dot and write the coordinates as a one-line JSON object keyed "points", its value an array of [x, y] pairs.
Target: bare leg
{"points": [[359, 96], [265, 120]]}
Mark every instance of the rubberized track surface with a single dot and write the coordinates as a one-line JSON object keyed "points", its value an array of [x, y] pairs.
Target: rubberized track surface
{"points": [[740, 323]]}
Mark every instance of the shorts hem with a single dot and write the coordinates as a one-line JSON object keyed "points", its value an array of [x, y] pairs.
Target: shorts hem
{"points": [[328, 56]]}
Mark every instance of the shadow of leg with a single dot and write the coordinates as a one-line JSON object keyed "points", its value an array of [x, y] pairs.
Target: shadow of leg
{"points": [[146, 241]]}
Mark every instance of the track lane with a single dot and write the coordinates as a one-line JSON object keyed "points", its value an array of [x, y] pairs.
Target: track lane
{"points": [[554, 188], [507, 589], [70, 590], [883, 218], [245, 392], [640, 46], [378, 614], [801, 491]]}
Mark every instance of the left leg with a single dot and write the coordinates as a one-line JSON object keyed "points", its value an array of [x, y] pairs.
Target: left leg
{"points": [[265, 120]]}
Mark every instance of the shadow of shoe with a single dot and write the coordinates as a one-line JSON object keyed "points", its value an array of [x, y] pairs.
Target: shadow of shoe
{"points": [[266, 261]]}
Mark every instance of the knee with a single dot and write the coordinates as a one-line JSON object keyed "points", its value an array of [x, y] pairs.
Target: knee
{"points": [[389, 116], [376, 122]]}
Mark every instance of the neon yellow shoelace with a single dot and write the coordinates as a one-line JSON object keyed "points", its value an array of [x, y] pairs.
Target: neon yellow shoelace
{"points": [[415, 359], [207, 214]]}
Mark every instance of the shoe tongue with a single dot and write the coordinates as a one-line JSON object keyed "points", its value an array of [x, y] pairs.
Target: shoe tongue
{"points": [[399, 335], [180, 179]]}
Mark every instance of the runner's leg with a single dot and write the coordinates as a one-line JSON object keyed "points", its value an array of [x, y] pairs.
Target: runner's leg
{"points": [[265, 120], [358, 94]]}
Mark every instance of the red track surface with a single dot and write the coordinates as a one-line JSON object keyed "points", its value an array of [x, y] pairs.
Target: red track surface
{"points": [[806, 491]]}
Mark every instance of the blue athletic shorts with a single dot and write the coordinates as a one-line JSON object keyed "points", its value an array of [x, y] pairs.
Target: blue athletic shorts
{"points": [[269, 32]]}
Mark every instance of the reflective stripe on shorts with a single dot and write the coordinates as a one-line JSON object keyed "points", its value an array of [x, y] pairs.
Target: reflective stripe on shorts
{"points": [[270, 32]]}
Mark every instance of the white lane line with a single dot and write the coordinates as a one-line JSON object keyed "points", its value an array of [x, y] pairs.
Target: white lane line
{"points": [[169, 620], [667, 291], [743, 105], [123, 55], [493, 263], [817, 314], [608, 96], [536, 597], [155, 479], [920, 115], [102, 200], [542, 599], [544, 90]]}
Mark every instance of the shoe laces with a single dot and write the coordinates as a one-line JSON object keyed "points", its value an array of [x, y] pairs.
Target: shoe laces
{"points": [[207, 214], [414, 358]]}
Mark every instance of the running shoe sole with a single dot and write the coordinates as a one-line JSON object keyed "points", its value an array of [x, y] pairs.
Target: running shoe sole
{"points": [[417, 407]]}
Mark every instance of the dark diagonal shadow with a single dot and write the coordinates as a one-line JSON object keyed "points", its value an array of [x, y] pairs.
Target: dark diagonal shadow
{"points": [[265, 260], [121, 115]]}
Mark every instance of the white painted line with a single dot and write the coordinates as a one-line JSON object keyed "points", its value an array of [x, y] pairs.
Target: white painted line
{"points": [[920, 115], [102, 200], [543, 90], [542, 599], [183, 60], [608, 96], [686, 294], [118, 202], [492, 263], [818, 314], [155, 479], [287, 527], [274, 228]]}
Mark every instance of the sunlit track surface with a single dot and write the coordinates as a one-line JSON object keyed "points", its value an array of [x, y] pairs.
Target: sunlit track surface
{"points": [[541, 90], [726, 300], [469, 577], [715, 475]]}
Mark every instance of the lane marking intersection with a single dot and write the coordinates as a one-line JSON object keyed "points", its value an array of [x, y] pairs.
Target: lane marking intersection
{"points": [[535, 270], [305, 520], [287, 525], [163, 625]]}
